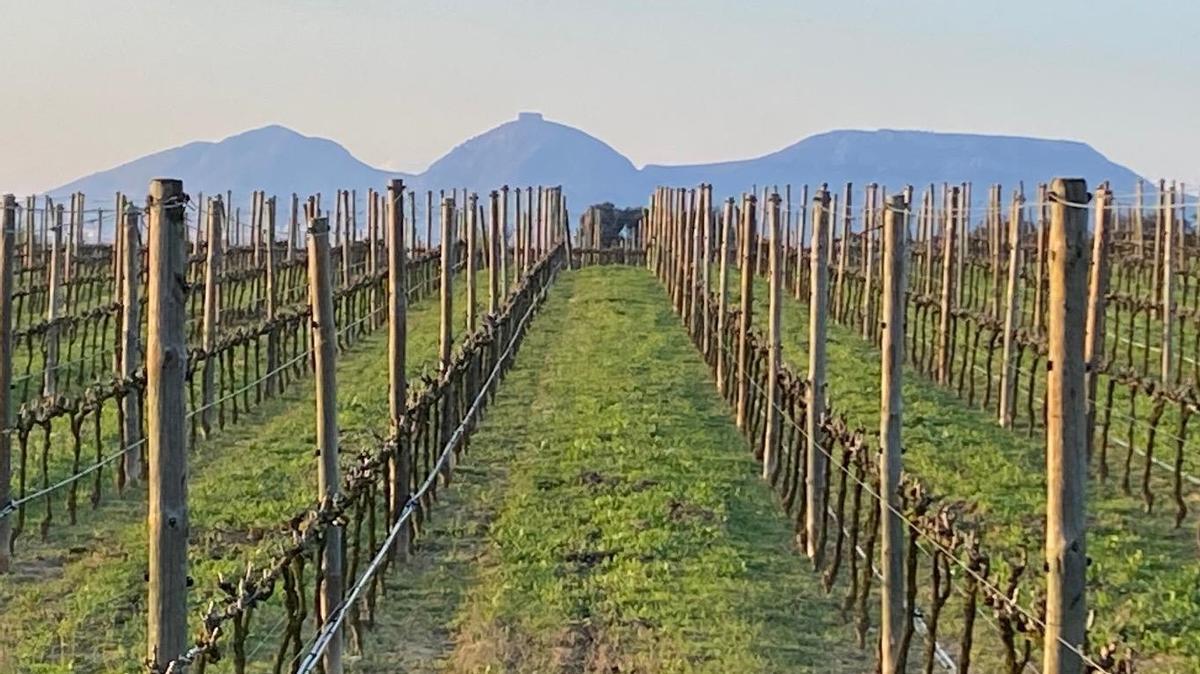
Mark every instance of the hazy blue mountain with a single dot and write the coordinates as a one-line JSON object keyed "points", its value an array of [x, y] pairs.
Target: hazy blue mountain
{"points": [[531, 150], [897, 158], [273, 158]]}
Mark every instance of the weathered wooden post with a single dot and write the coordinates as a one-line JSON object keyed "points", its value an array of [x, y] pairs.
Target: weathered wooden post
{"points": [[68, 253], [1012, 316], [400, 464], [1168, 284], [166, 386], [723, 297], [891, 413], [1066, 431], [518, 239], [324, 336], [705, 264], [815, 459], [293, 226], [212, 296], [30, 225], [771, 434], [428, 219], [267, 240], [8, 260], [503, 243], [747, 309], [472, 226], [867, 329], [1139, 232], [53, 305], [801, 237], [446, 327], [130, 359], [948, 237], [495, 251], [1093, 349], [691, 266], [839, 296], [1040, 273]]}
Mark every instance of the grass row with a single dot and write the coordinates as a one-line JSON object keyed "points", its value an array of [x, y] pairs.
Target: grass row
{"points": [[611, 518], [76, 601], [1144, 579]]}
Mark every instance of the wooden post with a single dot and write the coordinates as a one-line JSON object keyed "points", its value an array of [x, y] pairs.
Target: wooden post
{"points": [[1159, 216], [1012, 316], [472, 226], [723, 297], [68, 253], [8, 260], [1093, 349], [266, 238], [401, 464], [747, 308], [503, 242], [428, 219], [814, 515], [412, 224], [53, 302], [1040, 273], [30, 237], [1168, 284], [891, 413], [691, 266], [868, 248], [197, 238], [1139, 232], [212, 298], [446, 327], [494, 254], [801, 237], [518, 239], [131, 343], [446, 330], [1066, 429], [166, 386], [293, 225], [705, 264], [324, 335], [346, 242], [843, 252], [771, 434], [948, 235]]}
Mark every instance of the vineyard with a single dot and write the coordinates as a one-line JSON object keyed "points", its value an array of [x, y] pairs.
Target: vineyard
{"points": [[852, 432]]}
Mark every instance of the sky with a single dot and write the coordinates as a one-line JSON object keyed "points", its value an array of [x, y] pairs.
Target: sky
{"points": [[88, 85]]}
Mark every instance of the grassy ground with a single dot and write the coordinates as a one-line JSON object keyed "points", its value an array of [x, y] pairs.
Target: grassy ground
{"points": [[610, 518], [75, 602], [1144, 577]]}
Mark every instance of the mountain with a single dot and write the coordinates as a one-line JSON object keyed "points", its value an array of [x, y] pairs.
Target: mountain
{"points": [[273, 158], [531, 150], [896, 158]]}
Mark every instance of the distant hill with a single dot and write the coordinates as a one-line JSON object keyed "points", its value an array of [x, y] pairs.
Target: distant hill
{"points": [[532, 150], [273, 158], [898, 158]]}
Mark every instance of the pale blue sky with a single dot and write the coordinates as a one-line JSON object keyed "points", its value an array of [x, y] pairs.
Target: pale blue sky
{"points": [[90, 84]]}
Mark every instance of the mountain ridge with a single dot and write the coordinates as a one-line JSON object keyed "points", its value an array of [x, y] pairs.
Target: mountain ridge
{"points": [[532, 150]]}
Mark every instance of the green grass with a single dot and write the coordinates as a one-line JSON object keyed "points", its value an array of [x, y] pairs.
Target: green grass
{"points": [[76, 602], [611, 518], [1144, 579]]}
